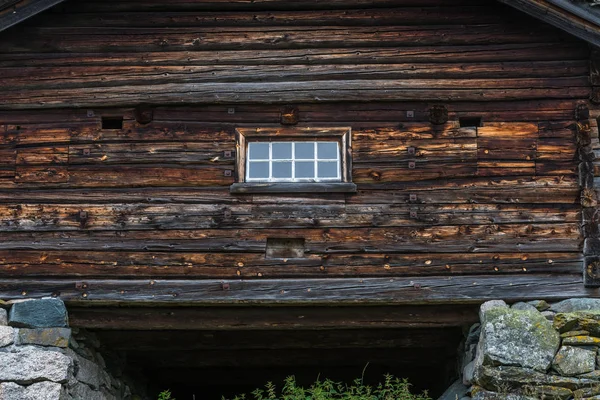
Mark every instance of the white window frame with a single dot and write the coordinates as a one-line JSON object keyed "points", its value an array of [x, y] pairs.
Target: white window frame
{"points": [[293, 160]]}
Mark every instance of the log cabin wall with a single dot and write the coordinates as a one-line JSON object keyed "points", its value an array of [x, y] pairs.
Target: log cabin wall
{"points": [[488, 211]]}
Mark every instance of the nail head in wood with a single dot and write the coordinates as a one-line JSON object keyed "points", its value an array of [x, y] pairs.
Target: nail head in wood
{"points": [[413, 214], [90, 113], [86, 152], [411, 150], [224, 286], [227, 154], [412, 197], [227, 172], [411, 165], [83, 214]]}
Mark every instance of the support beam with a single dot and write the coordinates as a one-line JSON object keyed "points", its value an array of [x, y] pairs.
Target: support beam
{"points": [[13, 12]]}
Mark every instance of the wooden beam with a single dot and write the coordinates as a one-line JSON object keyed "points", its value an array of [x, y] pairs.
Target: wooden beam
{"points": [[12, 13], [272, 318], [347, 291], [559, 16]]}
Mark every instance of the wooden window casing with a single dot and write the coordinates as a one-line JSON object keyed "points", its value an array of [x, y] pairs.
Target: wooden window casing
{"points": [[342, 136]]}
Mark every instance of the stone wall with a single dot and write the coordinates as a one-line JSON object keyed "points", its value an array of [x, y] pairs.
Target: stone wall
{"points": [[532, 350], [41, 358]]}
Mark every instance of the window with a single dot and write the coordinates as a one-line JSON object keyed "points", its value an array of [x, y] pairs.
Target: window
{"points": [[293, 160]]}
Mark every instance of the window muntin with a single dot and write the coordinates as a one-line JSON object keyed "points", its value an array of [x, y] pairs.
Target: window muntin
{"points": [[293, 161]]}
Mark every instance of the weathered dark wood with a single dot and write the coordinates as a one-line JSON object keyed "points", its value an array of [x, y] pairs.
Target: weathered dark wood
{"points": [[348, 291], [13, 12], [272, 318]]}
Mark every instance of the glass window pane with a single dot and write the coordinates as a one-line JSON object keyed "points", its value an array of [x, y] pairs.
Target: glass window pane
{"points": [[258, 170], [327, 150], [305, 169], [282, 151], [258, 151], [282, 169], [305, 151], [327, 169]]}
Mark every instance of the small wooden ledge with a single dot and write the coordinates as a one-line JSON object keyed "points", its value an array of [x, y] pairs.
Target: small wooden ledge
{"points": [[308, 187]]}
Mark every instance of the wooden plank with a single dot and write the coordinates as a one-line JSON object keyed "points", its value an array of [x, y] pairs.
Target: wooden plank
{"points": [[425, 239], [303, 91], [347, 291], [510, 52], [128, 264], [88, 76], [508, 130], [89, 39], [269, 318], [22, 10]]}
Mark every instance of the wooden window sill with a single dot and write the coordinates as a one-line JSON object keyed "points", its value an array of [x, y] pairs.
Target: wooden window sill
{"points": [[283, 187]]}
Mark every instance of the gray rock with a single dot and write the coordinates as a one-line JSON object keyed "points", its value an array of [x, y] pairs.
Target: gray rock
{"points": [[473, 335], [499, 378], [82, 391], [523, 306], [3, 317], [540, 305], [549, 315], [55, 337], [468, 373], [571, 305], [517, 338], [490, 305], [30, 364], [37, 391], [485, 395], [88, 371], [7, 336], [43, 313], [455, 391], [571, 360]]}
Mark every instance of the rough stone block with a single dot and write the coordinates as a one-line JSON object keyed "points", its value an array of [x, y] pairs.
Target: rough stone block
{"points": [[37, 391], [30, 364], [572, 361], [490, 305], [3, 317], [89, 372], [523, 306], [456, 391], [43, 313], [56, 337], [7, 336], [581, 341], [83, 391], [468, 373], [571, 305], [517, 338], [485, 395]]}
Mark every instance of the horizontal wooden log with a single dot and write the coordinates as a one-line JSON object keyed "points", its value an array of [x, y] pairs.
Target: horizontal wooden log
{"points": [[87, 264], [88, 76], [348, 291], [463, 238], [269, 318], [290, 91], [508, 130], [209, 153], [89, 39], [491, 148], [348, 17], [511, 52]]}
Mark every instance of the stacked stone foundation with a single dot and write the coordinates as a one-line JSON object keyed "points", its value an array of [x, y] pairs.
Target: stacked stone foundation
{"points": [[41, 358], [531, 351]]}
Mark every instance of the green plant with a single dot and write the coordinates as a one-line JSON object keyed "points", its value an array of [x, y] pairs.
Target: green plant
{"points": [[165, 395], [391, 388]]}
